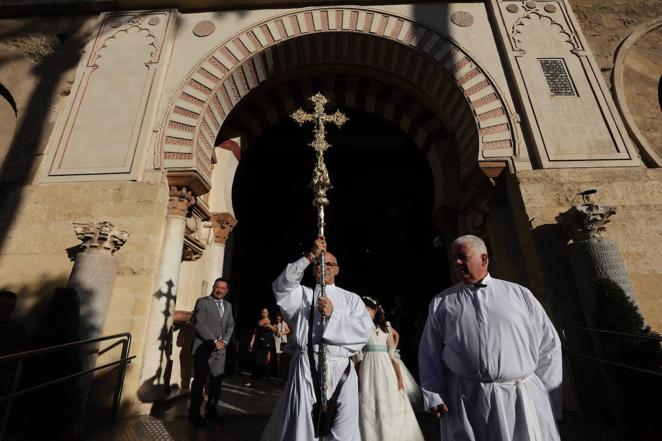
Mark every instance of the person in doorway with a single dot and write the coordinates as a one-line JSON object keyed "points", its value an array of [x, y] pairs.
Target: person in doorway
{"points": [[262, 345], [385, 411], [347, 329], [489, 357], [213, 324], [282, 356]]}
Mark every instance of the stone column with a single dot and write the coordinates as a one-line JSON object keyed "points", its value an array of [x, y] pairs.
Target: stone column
{"points": [[593, 256], [155, 362], [92, 279], [93, 274], [222, 223]]}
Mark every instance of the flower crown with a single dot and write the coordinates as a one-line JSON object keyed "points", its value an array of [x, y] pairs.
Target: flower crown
{"points": [[370, 299]]}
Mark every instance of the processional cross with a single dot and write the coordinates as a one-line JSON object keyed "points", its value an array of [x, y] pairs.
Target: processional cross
{"points": [[320, 184]]}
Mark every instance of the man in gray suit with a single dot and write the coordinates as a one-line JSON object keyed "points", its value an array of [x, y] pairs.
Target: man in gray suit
{"points": [[213, 322]]}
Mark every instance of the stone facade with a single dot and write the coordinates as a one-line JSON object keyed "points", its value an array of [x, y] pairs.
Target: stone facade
{"points": [[116, 116]]}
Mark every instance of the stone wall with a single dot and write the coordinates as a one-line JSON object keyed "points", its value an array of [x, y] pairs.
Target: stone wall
{"points": [[637, 195], [38, 59], [606, 23], [40, 238]]}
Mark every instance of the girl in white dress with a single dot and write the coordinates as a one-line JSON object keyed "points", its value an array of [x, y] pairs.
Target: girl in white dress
{"points": [[385, 411]]}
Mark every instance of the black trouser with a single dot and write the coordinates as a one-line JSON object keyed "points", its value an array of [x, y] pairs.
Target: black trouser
{"points": [[201, 373]]}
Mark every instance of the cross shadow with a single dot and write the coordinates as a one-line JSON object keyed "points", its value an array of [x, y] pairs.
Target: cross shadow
{"points": [[157, 386]]}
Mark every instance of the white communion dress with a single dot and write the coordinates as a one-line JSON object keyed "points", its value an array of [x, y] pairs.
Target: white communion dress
{"points": [[385, 411]]}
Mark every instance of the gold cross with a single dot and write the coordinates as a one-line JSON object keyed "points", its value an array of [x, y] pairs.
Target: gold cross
{"points": [[319, 118], [321, 182]]}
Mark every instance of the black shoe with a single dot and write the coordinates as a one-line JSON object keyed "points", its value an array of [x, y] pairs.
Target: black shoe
{"points": [[214, 416], [196, 420]]}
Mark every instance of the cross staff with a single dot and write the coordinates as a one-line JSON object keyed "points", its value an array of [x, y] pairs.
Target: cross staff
{"points": [[320, 184]]}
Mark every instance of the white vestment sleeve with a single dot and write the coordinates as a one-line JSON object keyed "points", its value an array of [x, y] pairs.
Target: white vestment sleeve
{"points": [[550, 369], [288, 290], [350, 327], [430, 363]]}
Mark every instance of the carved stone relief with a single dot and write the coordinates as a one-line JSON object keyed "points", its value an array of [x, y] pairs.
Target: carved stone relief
{"points": [[566, 103], [113, 99], [223, 224], [462, 19], [586, 221], [100, 237]]}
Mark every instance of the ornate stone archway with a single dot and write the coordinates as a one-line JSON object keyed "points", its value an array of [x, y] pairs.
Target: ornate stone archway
{"points": [[465, 97]]}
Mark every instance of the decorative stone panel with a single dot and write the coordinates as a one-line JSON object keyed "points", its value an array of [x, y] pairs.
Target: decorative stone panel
{"points": [[106, 127], [570, 114]]}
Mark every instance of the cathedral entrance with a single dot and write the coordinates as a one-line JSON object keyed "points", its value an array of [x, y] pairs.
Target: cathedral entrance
{"points": [[428, 132], [379, 222]]}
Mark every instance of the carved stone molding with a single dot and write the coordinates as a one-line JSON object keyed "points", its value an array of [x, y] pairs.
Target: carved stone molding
{"points": [[586, 221], [181, 200], [192, 250], [425, 59], [223, 223], [194, 240], [101, 237]]}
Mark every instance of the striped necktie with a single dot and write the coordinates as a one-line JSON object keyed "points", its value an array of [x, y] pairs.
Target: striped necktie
{"points": [[221, 309]]}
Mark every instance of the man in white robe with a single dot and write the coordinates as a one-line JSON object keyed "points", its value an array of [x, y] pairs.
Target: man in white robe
{"points": [[347, 330], [489, 357]]}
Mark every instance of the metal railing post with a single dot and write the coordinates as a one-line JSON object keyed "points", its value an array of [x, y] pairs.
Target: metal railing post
{"points": [[126, 346]]}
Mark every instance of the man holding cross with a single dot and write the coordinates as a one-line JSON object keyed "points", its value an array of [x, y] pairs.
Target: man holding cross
{"points": [[347, 330]]}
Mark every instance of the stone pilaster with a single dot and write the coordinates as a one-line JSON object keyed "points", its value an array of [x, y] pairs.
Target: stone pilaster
{"points": [[156, 353], [222, 224], [94, 272]]}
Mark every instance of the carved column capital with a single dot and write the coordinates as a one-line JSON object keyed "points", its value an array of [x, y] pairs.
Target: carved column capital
{"points": [[101, 237], [223, 223], [586, 221], [181, 200]]}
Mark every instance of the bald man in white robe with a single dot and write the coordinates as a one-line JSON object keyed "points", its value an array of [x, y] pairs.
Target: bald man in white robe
{"points": [[489, 357], [347, 330]]}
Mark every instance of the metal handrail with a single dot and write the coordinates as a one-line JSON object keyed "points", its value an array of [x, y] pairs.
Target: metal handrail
{"points": [[564, 341], [63, 379], [621, 334], [49, 349], [125, 341]]}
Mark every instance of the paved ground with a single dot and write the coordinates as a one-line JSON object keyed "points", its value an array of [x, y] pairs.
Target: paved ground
{"points": [[246, 411]]}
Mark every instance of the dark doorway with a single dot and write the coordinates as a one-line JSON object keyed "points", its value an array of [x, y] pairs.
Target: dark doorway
{"points": [[379, 222]]}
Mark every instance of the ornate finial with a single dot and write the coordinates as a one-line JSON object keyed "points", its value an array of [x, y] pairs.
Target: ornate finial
{"points": [[321, 183], [586, 221], [102, 236]]}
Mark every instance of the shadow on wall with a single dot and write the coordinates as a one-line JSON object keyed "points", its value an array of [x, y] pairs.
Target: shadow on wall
{"points": [[185, 337], [659, 93], [52, 55], [54, 320], [158, 385]]}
